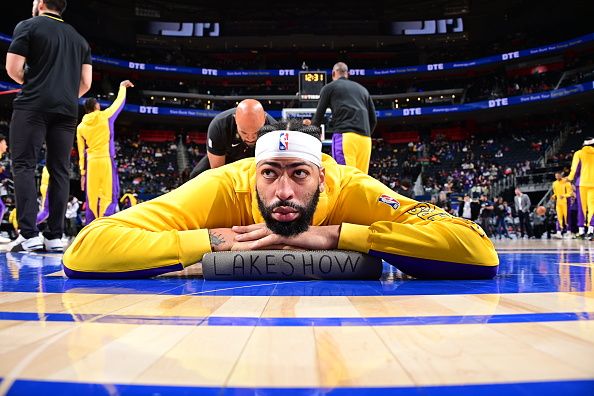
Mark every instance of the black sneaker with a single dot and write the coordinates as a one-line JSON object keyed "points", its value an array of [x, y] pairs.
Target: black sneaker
{"points": [[590, 237]]}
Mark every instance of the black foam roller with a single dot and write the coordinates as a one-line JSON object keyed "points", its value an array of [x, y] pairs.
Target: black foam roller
{"points": [[291, 265]]}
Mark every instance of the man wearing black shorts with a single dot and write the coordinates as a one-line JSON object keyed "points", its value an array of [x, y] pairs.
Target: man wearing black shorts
{"points": [[232, 135], [53, 64]]}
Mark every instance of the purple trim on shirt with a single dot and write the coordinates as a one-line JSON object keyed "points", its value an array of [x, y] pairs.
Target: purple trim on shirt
{"points": [[112, 120], [578, 173], [581, 217], [138, 274], [435, 269], [337, 149]]}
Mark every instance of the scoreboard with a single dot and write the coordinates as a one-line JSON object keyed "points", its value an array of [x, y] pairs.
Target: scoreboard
{"points": [[310, 84]]}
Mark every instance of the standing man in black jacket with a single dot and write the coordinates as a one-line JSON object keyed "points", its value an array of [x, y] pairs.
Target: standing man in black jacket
{"points": [[53, 64], [353, 118]]}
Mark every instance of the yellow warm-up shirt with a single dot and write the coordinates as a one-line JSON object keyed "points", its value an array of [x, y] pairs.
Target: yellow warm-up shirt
{"points": [[95, 133], [171, 231], [582, 167], [43, 185], [562, 190]]}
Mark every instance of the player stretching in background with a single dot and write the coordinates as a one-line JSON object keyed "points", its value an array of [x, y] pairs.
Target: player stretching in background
{"points": [[96, 151]]}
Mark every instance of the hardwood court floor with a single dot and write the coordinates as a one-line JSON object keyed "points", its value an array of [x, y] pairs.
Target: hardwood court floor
{"points": [[528, 331]]}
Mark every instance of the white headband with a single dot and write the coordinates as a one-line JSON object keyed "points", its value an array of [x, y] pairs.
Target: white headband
{"points": [[289, 144], [589, 142]]}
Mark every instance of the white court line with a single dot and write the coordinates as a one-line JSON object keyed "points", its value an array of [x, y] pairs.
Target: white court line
{"points": [[247, 286]]}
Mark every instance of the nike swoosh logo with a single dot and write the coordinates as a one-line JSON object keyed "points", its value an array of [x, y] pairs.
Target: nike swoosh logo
{"points": [[235, 145]]}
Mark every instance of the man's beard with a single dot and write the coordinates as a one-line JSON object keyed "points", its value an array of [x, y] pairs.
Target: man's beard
{"points": [[289, 228]]}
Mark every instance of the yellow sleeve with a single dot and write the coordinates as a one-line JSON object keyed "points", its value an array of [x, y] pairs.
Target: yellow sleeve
{"points": [[420, 239], [82, 146], [44, 183], [12, 218], [568, 190], [574, 165], [118, 104], [157, 236]]}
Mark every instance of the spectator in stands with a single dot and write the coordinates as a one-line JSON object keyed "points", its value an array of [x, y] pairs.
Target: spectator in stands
{"points": [[522, 204], [232, 135], [353, 118], [72, 218], [406, 189], [486, 214], [468, 209], [501, 211]]}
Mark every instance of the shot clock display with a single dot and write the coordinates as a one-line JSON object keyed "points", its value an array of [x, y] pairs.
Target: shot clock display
{"points": [[310, 84]]}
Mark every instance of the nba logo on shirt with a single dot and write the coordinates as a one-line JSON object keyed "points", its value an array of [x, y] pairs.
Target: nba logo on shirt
{"points": [[389, 201], [283, 143]]}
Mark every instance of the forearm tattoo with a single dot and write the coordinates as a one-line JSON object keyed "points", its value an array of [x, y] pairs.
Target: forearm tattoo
{"points": [[215, 240]]}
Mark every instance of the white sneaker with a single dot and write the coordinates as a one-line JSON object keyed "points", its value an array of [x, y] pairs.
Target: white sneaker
{"points": [[21, 244], [557, 235], [4, 239], [53, 245]]}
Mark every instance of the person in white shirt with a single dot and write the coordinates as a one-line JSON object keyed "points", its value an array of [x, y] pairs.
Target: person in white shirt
{"points": [[72, 216]]}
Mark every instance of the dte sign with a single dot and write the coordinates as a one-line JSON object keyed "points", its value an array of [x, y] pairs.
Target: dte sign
{"points": [[411, 112], [286, 72], [149, 110], [137, 66], [357, 72], [498, 102], [435, 66], [209, 72], [510, 55]]}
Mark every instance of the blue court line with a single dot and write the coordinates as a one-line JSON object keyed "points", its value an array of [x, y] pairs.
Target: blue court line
{"points": [[301, 322], [565, 388]]}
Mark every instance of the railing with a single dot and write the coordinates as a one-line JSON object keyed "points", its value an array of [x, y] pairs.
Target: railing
{"points": [[554, 147], [503, 184], [545, 198], [535, 181]]}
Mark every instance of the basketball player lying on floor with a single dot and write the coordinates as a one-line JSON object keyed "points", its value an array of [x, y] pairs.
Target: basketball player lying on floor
{"points": [[290, 196]]}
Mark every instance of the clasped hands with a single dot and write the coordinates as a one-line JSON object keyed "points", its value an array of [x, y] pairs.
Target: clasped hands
{"points": [[259, 237]]}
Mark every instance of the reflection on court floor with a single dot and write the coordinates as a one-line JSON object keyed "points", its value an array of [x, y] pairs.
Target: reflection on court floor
{"points": [[528, 331]]}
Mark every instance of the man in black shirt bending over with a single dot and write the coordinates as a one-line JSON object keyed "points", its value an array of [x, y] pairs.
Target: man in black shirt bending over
{"points": [[53, 64], [353, 118], [232, 135]]}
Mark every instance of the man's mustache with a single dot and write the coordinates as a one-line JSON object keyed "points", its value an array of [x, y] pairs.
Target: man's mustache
{"points": [[288, 204]]}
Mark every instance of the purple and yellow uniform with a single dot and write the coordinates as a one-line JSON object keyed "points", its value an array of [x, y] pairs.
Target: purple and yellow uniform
{"points": [[171, 231], [582, 174], [128, 200], [44, 212], [96, 150], [561, 192]]}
